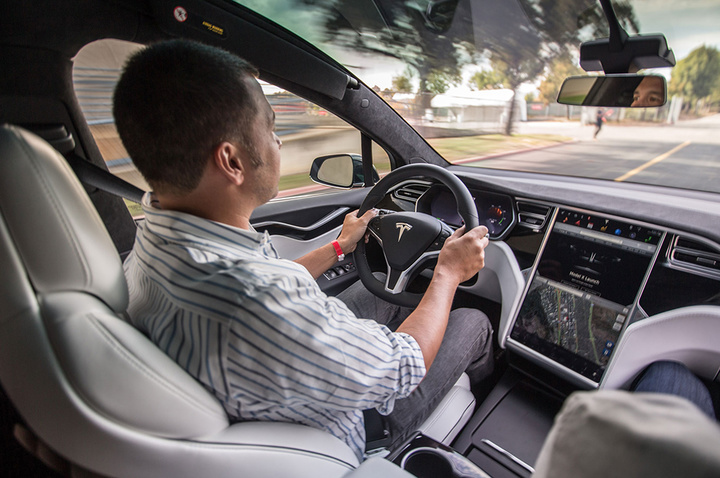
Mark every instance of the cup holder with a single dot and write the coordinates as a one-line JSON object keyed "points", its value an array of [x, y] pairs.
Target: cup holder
{"points": [[434, 462], [427, 463]]}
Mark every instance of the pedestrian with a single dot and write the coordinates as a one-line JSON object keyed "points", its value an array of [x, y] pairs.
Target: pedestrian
{"points": [[599, 120]]}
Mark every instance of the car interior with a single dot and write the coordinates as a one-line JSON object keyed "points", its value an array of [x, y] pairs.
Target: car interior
{"points": [[633, 269]]}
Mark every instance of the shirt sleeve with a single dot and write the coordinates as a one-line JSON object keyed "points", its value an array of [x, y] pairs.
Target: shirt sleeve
{"points": [[293, 344]]}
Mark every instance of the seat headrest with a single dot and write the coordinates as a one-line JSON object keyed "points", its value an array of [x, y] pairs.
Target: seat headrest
{"points": [[56, 230]]}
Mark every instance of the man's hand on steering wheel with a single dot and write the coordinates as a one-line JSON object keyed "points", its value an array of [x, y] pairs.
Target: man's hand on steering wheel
{"points": [[354, 229], [463, 253]]}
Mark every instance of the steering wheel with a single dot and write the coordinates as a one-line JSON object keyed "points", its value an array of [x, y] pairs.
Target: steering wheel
{"points": [[408, 239]]}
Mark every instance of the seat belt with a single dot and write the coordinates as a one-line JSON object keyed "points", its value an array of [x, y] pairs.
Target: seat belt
{"points": [[88, 173], [92, 175]]}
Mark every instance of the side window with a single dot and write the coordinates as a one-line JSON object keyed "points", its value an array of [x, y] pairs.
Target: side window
{"points": [[306, 130], [96, 70]]}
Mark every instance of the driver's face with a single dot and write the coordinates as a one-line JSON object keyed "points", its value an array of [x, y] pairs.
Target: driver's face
{"points": [[650, 92]]}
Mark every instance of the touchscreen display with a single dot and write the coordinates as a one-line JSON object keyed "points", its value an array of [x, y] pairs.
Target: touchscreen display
{"points": [[586, 282]]}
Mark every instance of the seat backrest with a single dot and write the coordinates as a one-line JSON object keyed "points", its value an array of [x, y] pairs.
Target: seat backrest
{"points": [[91, 386]]}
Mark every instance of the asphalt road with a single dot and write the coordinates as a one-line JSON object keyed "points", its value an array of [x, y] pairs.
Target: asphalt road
{"points": [[684, 155]]}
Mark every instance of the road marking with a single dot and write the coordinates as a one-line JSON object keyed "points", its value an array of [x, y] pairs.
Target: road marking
{"points": [[652, 161]]}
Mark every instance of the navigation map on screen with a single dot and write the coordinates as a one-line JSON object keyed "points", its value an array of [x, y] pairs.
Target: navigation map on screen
{"points": [[579, 299]]}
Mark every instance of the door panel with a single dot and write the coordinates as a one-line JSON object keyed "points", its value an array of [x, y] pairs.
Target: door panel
{"points": [[301, 224]]}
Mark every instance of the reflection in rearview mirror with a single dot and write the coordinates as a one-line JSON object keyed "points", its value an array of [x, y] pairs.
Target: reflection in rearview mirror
{"points": [[627, 90]]}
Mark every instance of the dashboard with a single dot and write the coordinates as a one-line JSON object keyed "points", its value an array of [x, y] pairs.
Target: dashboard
{"points": [[588, 276], [495, 211]]}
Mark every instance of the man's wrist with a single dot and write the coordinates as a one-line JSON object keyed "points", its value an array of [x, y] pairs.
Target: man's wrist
{"points": [[338, 250]]}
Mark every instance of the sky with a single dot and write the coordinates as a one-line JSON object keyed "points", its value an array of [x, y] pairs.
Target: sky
{"points": [[686, 24]]}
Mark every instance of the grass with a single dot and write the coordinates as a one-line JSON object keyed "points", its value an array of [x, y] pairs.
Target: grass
{"points": [[456, 149], [134, 208], [452, 149]]}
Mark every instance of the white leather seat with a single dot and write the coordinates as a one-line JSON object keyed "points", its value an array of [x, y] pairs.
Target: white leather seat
{"points": [[90, 386]]}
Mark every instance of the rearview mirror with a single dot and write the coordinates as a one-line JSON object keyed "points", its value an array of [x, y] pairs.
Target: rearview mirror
{"points": [[625, 90], [340, 171]]}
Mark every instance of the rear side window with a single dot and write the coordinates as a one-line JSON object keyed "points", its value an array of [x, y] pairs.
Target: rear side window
{"points": [[306, 130], [96, 70]]}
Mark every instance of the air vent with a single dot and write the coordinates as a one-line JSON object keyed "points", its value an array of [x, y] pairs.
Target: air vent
{"points": [[533, 215], [695, 254], [411, 191]]}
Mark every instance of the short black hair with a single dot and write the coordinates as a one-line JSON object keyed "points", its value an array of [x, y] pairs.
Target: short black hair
{"points": [[175, 102]]}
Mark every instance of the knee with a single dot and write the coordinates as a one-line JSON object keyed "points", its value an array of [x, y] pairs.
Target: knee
{"points": [[471, 323], [477, 317], [666, 368]]}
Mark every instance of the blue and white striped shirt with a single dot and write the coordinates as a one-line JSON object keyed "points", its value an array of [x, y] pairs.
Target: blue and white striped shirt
{"points": [[258, 331]]}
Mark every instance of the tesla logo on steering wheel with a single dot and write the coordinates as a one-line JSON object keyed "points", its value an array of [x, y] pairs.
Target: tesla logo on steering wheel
{"points": [[403, 227]]}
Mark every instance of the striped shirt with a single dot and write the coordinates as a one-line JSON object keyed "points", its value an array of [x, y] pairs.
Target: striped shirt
{"points": [[258, 331]]}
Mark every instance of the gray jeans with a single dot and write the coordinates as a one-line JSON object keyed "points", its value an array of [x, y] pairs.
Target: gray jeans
{"points": [[466, 347]]}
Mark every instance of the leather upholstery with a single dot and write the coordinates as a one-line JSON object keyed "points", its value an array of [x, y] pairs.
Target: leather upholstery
{"points": [[88, 384], [688, 335], [63, 246]]}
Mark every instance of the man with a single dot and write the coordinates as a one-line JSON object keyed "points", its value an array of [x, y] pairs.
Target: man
{"points": [[211, 292], [599, 120], [650, 92]]}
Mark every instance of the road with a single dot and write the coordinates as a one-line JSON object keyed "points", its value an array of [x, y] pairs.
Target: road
{"points": [[684, 155]]}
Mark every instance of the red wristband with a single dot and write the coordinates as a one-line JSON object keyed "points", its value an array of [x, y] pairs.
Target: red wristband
{"points": [[338, 250]]}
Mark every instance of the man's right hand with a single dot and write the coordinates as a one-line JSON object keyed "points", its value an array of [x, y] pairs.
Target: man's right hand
{"points": [[461, 257], [463, 254]]}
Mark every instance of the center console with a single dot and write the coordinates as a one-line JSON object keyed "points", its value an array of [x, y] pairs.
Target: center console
{"points": [[580, 295]]}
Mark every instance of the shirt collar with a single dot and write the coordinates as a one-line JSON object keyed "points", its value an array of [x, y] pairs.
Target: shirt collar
{"points": [[175, 226]]}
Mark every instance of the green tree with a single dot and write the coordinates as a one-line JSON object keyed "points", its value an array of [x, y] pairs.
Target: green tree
{"points": [[544, 32], [518, 37], [487, 80], [561, 68], [439, 81], [402, 84], [404, 30], [697, 77]]}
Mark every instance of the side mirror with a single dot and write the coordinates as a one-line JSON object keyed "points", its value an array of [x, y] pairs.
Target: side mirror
{"points": [[623, 90], [340, 171]]}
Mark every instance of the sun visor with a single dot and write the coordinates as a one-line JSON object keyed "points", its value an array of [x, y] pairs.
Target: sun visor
{"points": [[270, 53]]}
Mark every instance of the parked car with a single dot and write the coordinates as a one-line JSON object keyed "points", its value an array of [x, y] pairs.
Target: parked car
{"points": [[604, 253]]}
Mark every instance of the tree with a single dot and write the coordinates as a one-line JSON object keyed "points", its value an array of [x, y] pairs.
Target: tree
{"points": [[562, 67], [697, 76], [429, 44], [402, 84], [487, 80], [437, 39], [543, 32]]}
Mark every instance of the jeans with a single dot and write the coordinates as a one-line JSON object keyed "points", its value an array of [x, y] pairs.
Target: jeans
{"points": [[675, 379], [466, 347]]}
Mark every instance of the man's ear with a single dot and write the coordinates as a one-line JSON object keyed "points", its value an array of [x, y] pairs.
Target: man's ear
{"points": [[226, 157]]}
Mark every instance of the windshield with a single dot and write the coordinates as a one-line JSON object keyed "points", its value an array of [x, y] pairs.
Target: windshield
{"points": [[453, 68]]}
